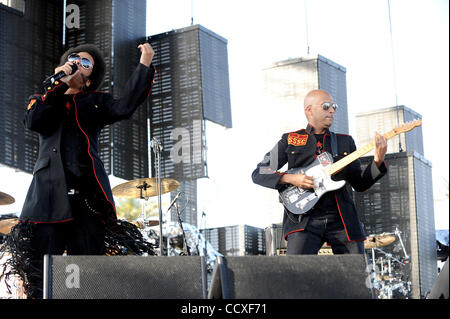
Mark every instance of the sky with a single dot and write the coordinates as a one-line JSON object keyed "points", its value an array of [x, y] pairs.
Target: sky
{"points": [[411, 69]]}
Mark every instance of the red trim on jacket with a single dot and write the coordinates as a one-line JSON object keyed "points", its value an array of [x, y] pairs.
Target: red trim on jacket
{"points": [[345, 227], [89, 153], [294, 231], [45, 95], [281, 174], [339, 209]]}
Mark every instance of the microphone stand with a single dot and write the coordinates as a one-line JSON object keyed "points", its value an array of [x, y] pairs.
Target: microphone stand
{"points": [[157, 148], [204, 237], [205, 250], [182, 229]]}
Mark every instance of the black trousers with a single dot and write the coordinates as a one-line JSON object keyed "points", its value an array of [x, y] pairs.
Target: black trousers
{"points": [[84, 235], [324, 227]]}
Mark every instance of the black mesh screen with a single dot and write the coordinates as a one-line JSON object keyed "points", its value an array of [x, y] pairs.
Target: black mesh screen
{"points": [[176, 104], [215, 78], [130, 148], [30, 46], [117, 27]]}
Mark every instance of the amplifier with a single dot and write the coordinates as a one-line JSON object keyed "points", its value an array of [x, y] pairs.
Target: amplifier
{"points": [[275, 243], [277, 246]]}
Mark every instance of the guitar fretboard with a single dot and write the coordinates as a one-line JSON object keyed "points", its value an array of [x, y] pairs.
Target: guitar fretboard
{"points": [[336, 167]]}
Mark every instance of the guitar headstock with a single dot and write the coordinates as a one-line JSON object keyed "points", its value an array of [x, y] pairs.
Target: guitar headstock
{"points": [[408, 126]]}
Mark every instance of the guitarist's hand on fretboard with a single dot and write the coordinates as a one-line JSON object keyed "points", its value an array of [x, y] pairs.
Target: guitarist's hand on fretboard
{"points": [[380, 148]]}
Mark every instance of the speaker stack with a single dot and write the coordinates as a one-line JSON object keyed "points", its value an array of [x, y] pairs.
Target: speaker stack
{"points": [[124, 277], [291, 277], [185, 277]]}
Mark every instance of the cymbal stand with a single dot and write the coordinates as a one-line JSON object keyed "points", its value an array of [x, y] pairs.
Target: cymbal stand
{"points": [[157, 149], [373, 260], [398, 232], [182, 229], [389, 256], [145, 225]]}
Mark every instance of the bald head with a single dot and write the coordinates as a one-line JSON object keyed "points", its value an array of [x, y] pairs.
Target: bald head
{"points": [[319, 118], [315, 97]]}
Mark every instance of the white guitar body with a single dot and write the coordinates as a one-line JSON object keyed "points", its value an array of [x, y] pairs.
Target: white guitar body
{"points": [[298, 200]]}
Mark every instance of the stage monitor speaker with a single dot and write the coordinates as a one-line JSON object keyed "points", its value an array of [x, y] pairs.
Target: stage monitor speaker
{"points": [[440, 286], [291, 277], [124, 277]]}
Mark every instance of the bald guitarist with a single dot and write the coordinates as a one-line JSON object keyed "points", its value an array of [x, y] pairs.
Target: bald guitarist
{"points": [[333, 218]]}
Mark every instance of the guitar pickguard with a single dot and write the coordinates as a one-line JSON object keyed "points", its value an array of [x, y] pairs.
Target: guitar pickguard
{"points": [[298, 200]]}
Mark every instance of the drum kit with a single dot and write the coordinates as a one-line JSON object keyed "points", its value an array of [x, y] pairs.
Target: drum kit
{"points": [[7, 224], [387, 272], [11, 287], [143, 189], [388, 276]]}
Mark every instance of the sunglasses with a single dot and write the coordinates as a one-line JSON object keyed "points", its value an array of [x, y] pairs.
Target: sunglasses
{"points": [[326, 106], [85, 63]]}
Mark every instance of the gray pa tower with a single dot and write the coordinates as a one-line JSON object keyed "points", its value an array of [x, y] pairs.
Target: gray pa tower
{"points": [[287, 82]]}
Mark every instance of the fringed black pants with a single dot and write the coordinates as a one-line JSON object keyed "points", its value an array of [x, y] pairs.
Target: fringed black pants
{"points": [[86, 234]]}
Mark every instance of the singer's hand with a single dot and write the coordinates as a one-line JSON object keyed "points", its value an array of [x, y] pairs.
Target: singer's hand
{"points": [[147, 54], [67, 69]]}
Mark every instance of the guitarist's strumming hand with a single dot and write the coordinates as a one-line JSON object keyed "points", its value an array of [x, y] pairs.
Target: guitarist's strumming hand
{"points": [[380, 149], [300, 180]]}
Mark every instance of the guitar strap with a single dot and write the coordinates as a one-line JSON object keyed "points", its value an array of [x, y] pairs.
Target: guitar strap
{"points": [[334, 145]]}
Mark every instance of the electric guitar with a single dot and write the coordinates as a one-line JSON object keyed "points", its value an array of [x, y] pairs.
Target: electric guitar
{"points": [[299, 201]]}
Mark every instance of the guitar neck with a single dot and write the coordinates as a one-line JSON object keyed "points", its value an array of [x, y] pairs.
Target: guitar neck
{"points": [[336, 167]]}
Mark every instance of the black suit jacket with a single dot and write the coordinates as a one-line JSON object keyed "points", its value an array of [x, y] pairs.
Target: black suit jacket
{"points": [[47, 199], [298, 149]]}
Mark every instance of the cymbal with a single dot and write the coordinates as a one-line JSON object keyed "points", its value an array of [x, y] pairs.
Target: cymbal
{"points": [[378, 241], [5, 199], [144, 187], [149, 222], [7, 224], [152, 222]]}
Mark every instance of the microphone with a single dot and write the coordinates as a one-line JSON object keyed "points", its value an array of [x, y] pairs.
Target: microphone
{"points": [[174, 200], [59, 75]]}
